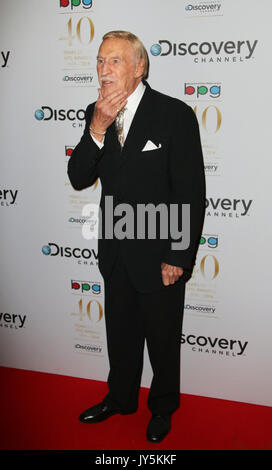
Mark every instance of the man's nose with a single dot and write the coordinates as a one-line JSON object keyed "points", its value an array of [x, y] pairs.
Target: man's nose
{"points": [[105, 68]]}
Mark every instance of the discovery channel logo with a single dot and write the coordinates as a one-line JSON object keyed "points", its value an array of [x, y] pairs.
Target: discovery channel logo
{"points": [[5, 58], [77, 79], [204, 8], [228, 347], [90, 348], [86, 4], [242, 48], [52, 249], [45, 113]]}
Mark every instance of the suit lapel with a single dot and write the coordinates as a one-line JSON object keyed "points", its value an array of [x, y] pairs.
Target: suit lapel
{"points": [[140, 126]]}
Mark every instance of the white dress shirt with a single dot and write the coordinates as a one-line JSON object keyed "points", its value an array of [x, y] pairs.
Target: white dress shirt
{"points": [[133, 102]]}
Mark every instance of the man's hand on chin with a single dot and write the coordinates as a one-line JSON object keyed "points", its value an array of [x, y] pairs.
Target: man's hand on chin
{"points": [[170, 274]]}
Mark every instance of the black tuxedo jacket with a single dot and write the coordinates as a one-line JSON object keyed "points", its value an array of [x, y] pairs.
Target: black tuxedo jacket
{"points": [[173, 173]]}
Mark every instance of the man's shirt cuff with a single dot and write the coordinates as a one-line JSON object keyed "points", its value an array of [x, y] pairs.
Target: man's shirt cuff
{"points": [[98, 143]]}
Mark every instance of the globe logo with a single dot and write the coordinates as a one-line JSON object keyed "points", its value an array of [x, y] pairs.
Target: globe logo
{"points": [[39, 115], [46, 250], [155, 49]]}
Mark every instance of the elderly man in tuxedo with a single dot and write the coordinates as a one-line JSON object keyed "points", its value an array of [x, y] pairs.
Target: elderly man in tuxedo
{"points": [[145, 148]]}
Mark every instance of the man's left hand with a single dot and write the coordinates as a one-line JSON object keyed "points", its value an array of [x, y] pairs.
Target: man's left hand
{"points": [[170, 274]]}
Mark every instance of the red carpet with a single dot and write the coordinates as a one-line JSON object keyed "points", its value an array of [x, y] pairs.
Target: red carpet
{"points": [[39, 411]]}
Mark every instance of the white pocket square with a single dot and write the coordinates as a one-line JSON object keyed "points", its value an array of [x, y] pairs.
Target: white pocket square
{"points": [[150, 146]]}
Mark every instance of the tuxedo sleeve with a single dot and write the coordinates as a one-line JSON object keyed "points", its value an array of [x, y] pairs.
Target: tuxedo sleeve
{"points": [[82, 165], [187, 182]]}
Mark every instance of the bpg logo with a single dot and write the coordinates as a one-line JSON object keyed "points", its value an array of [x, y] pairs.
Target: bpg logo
{"points": [[202, 89], [86, 4], [86, 287], [210, 241], [69, 150], [46, 113]]}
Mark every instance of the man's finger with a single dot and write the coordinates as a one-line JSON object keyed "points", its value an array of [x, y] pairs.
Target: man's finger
{"points": [[113, 96], [170, 274], [118, 100], [100, 95]]}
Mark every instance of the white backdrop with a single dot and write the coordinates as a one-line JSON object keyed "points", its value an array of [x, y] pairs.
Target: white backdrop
{"points": [[216, 57]]}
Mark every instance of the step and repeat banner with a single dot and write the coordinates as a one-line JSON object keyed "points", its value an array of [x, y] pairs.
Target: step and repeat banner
{"points": [[214, 55]]}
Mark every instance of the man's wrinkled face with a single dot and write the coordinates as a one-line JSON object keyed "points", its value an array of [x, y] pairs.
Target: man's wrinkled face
{"points": [[118, 67]]}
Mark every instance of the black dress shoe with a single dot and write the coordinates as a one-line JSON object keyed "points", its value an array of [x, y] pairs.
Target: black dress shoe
{"points": [[158, 428], [97, 413]]}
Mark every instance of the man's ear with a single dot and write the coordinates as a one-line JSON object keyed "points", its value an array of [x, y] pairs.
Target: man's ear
{"points": [[139, 68]]}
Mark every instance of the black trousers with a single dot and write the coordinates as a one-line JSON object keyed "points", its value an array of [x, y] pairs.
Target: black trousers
{"points": [[131, 318]]}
